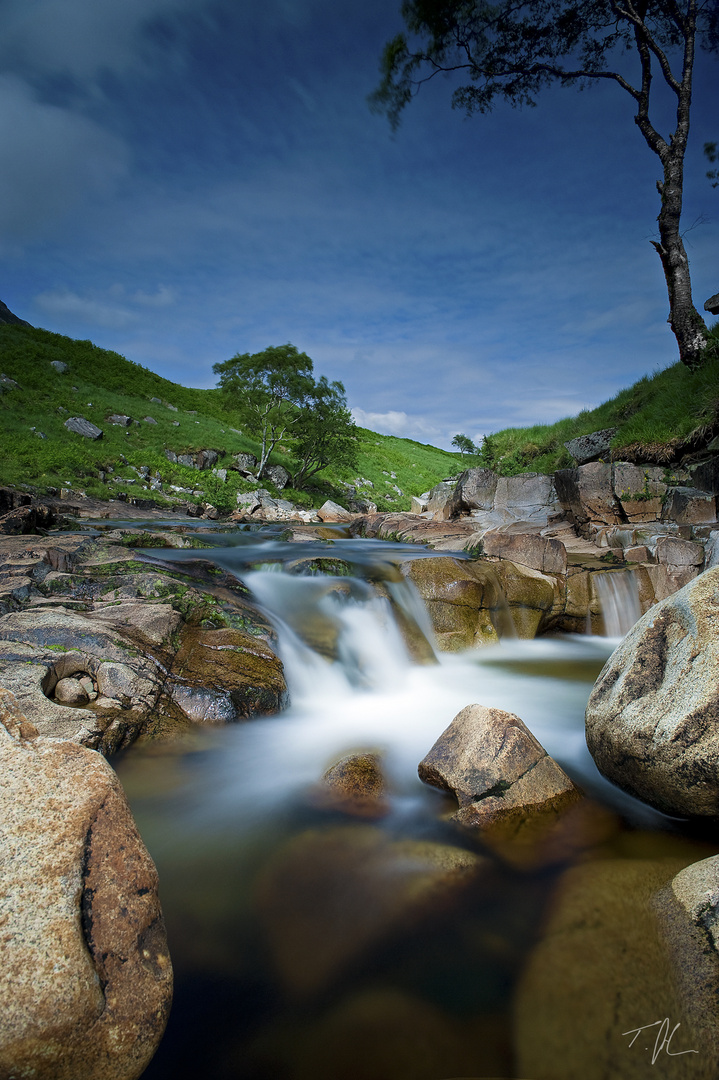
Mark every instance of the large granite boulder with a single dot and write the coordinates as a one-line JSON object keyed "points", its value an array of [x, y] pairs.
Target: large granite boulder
{"points": [[445, 501], [527, 497], [86, 976], [651, 719]]}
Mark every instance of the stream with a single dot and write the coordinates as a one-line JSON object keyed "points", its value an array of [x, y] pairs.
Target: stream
{"points": [[308, 943]]}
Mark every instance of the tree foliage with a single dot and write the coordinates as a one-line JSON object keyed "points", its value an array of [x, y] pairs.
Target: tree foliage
{"points": [[712, 155], [511, 49], [276, 395], [464, 444]]}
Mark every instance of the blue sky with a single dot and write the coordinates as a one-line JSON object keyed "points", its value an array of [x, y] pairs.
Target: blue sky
{"points": [[186, 179]]}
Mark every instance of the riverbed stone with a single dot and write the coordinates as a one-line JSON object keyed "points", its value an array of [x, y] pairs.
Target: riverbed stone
{"points": [[477, 488], [329, 897], [354, 785], [502, 777], [221, 676], [652, 719], [86, 976], [444, 501], [688, 506], [587, 494]]}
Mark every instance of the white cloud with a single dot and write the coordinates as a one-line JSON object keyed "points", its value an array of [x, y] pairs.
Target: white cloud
{"points": [[63, 302], [400, 423], [164, 297]]}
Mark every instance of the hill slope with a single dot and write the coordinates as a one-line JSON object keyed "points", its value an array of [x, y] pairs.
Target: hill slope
{"points": [[36, 449]]}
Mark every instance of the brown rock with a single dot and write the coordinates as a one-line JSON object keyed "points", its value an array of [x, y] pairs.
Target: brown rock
{"points": [[86, 977], [462, 598], [332, 511], [330, 896], [529, 549], [354, 785], [502, 777], [601, 971]]}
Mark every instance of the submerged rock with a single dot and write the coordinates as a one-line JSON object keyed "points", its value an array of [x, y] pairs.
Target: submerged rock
{"points": [[354, 785], [86, 976], [652, 717], [329, 897]]}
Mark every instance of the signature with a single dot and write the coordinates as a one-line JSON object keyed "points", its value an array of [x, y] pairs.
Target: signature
{"points": [[662, 1041]]}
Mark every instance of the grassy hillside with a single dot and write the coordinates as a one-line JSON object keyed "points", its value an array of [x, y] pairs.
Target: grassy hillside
{"points": [[98, 383], [659, 418]]}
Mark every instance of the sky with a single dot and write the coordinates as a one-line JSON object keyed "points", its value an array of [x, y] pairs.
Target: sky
{"points": [[184, 180]]}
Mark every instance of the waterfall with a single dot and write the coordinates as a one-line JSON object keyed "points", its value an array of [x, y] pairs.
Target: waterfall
{"points": [[619, 599]]}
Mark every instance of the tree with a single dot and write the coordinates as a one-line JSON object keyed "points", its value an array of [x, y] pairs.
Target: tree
{"points": [[325, 433], [275, 393], [511, 49], [269, 389], [464, 445]]}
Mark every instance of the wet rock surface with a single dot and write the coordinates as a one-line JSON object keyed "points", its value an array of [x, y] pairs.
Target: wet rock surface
{"points": [[652, 719], [504, 781], [103, 645], [86, 975]]}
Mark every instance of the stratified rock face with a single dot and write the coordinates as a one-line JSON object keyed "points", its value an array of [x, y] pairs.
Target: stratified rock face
{"points": [[444, 501], [499, 773], [652, 719], [587, 494], [590, 447], [528, 549], [85, 977]]}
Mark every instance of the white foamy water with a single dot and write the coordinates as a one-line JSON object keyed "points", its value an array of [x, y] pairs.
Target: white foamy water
{"points": [[369, 695]]}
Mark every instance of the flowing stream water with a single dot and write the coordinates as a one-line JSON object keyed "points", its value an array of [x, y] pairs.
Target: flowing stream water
{"points": [[298, 948]]}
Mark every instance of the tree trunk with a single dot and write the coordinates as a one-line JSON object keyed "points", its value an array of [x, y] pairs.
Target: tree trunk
{"points": [[687, 324]]}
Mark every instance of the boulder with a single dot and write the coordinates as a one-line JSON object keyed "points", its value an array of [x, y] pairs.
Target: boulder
{"points": [[688, 506], [278, 475], [81, 426], [86, 976], [149, 420], [221, 676], [477, 488], [245, 463], [601, 970], [678, 552], [502, 777], [26, 520], [651, 719], [587, 494], [462, 599], [705, 475], [444, 501], [527, 497], [529, 549], [120, 420], [590, 447], [330, 897], [59, 366], [206, 459], [332, 511], [354, 785]]}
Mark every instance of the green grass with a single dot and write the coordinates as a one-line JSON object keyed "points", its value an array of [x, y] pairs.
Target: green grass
{"points": [[659, 413], [99, 382]]}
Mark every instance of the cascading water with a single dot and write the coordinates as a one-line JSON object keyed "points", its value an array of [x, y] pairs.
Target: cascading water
{"points": [[619, 599]]}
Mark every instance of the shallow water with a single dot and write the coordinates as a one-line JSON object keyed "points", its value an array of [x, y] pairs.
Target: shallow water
{"points": [[302, 942]]}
